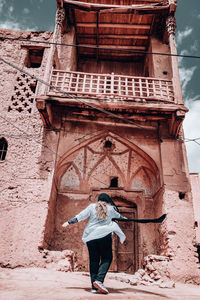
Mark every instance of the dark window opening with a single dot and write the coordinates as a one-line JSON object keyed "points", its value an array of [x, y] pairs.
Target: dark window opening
{"points": [[3, 148], [108, 144], [195, 224], [198, 252], [33, 87], [164, 72], [34, 57], [181, 195], [114, 182]]}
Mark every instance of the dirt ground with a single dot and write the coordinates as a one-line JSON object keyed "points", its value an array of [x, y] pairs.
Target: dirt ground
{"points": [[43, 284]]}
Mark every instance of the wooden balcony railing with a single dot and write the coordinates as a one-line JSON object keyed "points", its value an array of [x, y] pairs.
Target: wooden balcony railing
{"points": [[110, 86]]}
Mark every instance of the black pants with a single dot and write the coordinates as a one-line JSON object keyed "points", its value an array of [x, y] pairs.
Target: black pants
{"points": [[100, 255]]}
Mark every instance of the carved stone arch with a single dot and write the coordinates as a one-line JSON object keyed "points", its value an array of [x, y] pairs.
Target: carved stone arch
{"points": [[111, 161]]}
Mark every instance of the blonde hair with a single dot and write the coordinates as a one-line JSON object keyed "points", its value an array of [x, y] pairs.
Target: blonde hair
{"points": [[101, 209]]}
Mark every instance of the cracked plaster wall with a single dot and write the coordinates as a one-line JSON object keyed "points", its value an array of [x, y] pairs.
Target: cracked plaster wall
{"points": [[26, 173]]}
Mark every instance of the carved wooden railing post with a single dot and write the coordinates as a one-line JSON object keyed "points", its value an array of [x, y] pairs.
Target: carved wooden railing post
{"points": [[60, 16], [171, 27], [112, 84]]}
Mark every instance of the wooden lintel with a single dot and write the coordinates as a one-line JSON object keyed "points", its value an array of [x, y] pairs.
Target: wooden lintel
{"points": [[114, 25], [168, 108]]}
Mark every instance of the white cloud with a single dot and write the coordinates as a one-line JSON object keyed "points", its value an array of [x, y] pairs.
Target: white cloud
{"points": [[11, 8], [14, 25], [181, 35], [2, 3], [191, 127], [26, 10], [195, 46], [186, 75]]}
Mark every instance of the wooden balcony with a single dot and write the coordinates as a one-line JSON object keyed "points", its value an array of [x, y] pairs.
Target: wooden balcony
{"points": [[109, 87]]}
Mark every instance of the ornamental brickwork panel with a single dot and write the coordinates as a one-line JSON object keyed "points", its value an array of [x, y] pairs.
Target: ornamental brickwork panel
{"points": [[24, 94]]}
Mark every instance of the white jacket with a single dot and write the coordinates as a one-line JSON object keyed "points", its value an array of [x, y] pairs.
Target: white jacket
{"points": [[96, 228]]}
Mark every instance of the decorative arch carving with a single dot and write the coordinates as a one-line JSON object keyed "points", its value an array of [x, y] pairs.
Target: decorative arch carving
{"points": [[96, 160]]}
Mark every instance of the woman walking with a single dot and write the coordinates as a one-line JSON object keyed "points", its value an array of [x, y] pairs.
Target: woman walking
{"points": [[98, 237]]}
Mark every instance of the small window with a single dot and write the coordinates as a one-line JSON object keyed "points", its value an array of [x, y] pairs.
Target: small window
{"points": [[181, 195], [34, 57], [3, 148], [114, 182], [108, 144], [198, 252]]}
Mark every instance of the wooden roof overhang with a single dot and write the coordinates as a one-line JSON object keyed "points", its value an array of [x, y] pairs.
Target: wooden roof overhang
{"points": [[115, 29]]}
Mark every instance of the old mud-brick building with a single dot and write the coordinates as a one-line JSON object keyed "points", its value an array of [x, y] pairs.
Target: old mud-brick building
{"points": [[96, 106]]}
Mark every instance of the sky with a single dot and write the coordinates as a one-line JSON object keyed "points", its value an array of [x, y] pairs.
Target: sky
{"points": [[39, 15]]}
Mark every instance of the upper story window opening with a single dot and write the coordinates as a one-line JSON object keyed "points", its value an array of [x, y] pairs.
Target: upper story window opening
{"points": [[34, 57], [3, 148], [114, 182], [108, 144]]}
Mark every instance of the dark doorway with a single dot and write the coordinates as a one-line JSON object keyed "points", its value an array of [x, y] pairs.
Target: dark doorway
{"points": [[124, 255]]}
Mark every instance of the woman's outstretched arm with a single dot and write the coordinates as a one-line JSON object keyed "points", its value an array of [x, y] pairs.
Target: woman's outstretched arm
{"points": [[84, 214]]}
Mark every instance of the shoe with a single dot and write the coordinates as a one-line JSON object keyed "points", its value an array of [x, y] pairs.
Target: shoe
{"points": [[101, 288], [93, 291]]}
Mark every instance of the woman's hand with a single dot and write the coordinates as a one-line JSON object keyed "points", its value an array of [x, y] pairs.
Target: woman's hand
{"points": [[65, 224]]}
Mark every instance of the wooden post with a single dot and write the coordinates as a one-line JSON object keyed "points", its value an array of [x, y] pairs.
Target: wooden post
{"points": [[171, 27], [60, 15]]}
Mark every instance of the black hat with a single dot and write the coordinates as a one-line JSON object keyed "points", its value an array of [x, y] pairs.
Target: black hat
{"points": [[106, 198]]}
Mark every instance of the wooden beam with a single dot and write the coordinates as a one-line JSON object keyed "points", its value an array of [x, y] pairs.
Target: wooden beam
{"points": [[114, 25], [75, 27], [116, 36], [97, 35], [112, 47], [116, 8], [109, 56]]}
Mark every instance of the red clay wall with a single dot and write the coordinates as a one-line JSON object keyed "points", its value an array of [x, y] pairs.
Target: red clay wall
{"points": [[26, 173], [195, 184]]}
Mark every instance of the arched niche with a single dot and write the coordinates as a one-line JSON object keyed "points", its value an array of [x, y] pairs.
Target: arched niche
{"points": [[95, 162]]}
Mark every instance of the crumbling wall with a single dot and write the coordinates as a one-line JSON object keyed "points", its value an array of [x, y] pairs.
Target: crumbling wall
{"points": [[195, 184], [178, 230], [27, 171]]}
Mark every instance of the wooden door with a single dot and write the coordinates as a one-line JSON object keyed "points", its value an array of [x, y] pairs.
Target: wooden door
{"points": [[124, 255]]}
